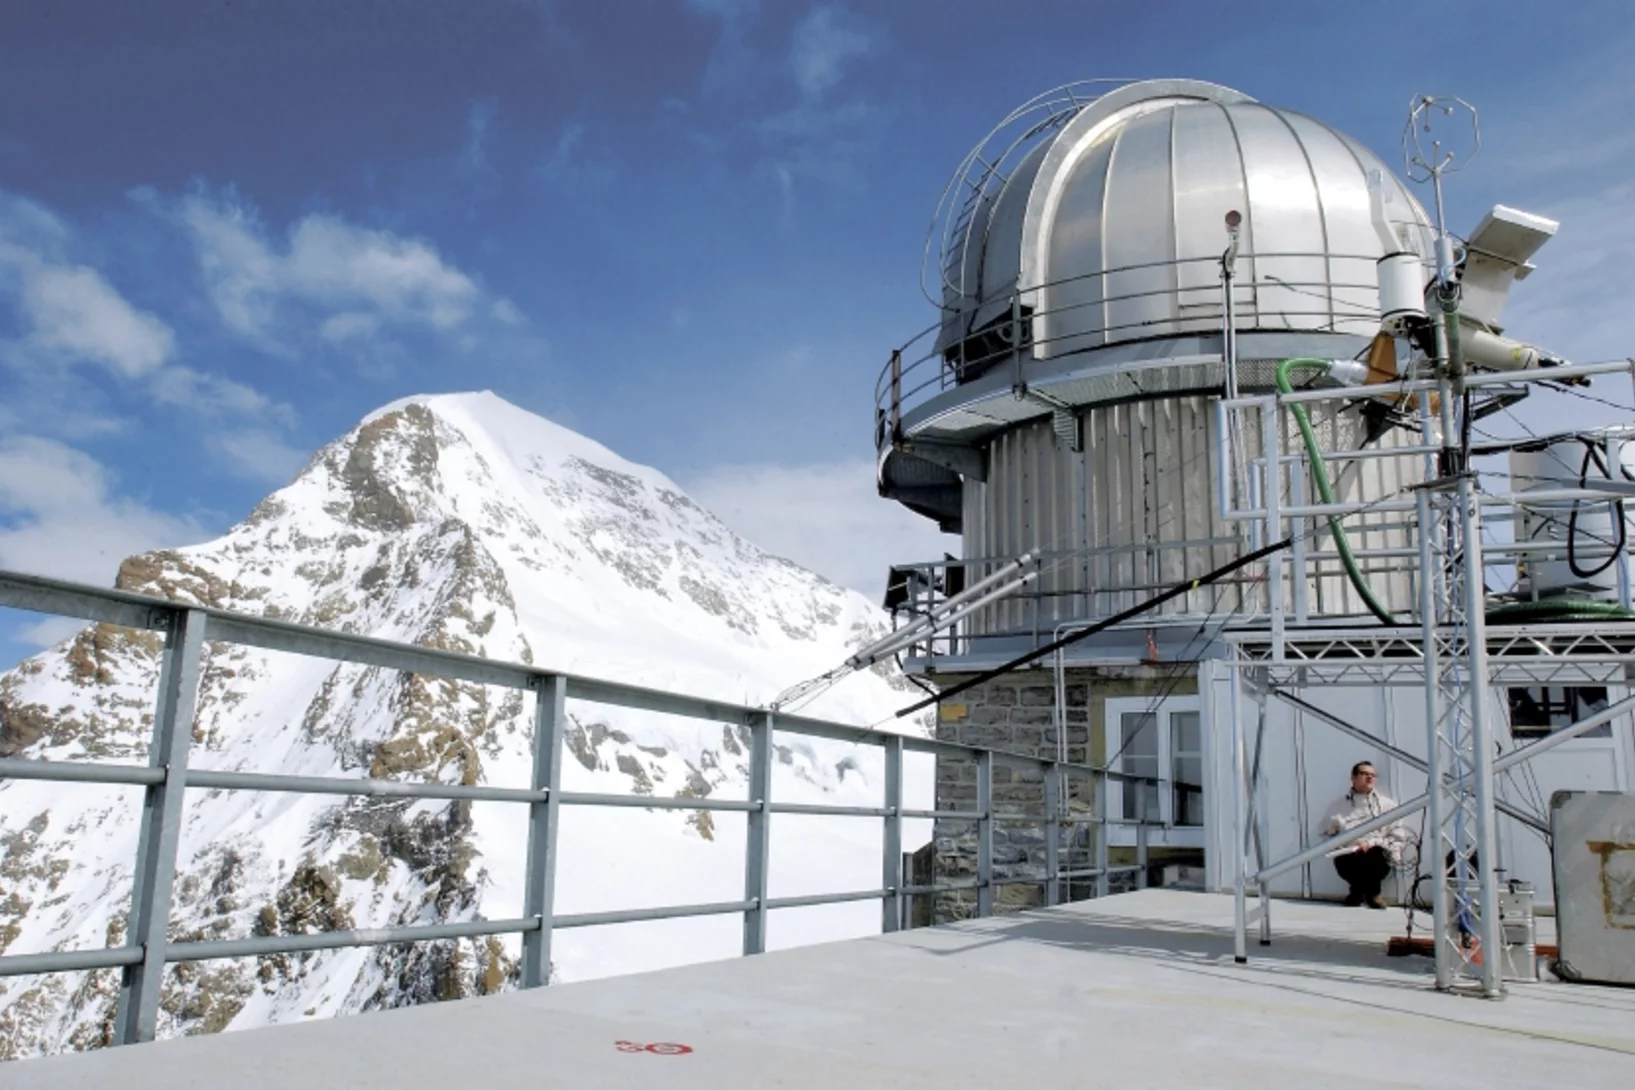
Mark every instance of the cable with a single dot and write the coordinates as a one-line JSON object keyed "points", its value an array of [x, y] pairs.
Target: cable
{"points": [[1184, 587], [1592, 452], [1587, 397], [1181, 668]]}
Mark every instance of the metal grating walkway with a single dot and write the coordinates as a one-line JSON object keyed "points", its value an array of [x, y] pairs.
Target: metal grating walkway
{"points": [[1131, 991]]}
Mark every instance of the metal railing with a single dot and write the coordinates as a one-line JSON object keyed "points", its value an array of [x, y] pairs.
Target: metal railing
{"points": [[166, 778], [914, 374], [1072, 598]]}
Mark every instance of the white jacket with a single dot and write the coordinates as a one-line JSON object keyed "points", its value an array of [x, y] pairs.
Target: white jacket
{"points": [[1352, 809]]}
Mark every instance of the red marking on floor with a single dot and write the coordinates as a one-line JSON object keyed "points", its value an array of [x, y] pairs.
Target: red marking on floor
{"points": [[658, 1048]]}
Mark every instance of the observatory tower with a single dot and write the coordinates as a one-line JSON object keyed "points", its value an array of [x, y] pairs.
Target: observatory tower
{"points": [[1113, 265], [1063, 402]]}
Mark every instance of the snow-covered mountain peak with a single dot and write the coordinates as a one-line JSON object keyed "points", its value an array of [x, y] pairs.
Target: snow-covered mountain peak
{"points": [[458, 521]]}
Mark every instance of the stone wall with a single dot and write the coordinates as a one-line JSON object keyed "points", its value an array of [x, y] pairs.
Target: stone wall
{"points": [[1016, 713]]}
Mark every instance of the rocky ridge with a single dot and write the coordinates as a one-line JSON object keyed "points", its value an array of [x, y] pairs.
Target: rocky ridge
{"points": [[458, 522]]}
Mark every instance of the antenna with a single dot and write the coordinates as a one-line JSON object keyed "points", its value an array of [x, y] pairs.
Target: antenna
{"points": [[1430, 116]]}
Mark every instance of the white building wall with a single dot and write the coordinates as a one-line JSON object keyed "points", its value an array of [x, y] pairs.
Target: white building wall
{"points": [[1306, 765]]}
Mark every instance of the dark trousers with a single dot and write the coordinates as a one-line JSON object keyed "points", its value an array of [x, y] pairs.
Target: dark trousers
{"points": [[1364, 871]]}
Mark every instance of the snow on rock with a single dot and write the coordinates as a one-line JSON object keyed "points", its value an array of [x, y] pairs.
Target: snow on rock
{"points": [[465, 523]]}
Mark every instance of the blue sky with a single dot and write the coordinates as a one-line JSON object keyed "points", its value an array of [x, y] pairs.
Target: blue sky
{"points": [[690, 229]]}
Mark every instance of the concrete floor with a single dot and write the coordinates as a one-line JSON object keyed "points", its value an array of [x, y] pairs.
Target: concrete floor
{"points": [[1137, 990]]}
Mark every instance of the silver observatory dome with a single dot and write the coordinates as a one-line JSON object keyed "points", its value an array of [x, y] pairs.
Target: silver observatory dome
{"points": [[1063, 400], [1109, 227]]}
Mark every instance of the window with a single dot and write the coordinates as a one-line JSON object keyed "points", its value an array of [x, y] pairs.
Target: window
{"points": [[1540, 710], [1186, 768], [1167, 745], [1138, 744]]}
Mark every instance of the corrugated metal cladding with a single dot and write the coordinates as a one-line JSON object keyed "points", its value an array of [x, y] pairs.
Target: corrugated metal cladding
{"points": [[1135, 513]]}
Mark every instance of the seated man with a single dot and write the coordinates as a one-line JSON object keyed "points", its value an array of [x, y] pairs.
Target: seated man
{"points": [[1364, 863]]}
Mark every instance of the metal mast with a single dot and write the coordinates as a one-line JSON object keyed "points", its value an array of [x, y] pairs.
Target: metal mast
{"points": [[1460, 847]]}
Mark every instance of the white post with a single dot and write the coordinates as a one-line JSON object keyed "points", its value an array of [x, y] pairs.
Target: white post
{"points": [[1480, 739], [891, 854], [551, 693], [1240, 860], [760, 833]]}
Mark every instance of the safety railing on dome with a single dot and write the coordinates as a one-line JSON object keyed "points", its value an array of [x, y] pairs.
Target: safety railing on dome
{"points": [[166, 777], [915, 373]]}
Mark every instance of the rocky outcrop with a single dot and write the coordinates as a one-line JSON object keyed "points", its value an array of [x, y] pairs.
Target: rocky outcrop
{"points": [[458, 523]]}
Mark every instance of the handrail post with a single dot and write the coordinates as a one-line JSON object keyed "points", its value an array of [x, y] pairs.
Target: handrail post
{"points": [[896, 396], [984, 833], [138, 1012], [755, 854], [1141, 834], [1053, 828], [891, 852], [1104, 884], [539, 895]]}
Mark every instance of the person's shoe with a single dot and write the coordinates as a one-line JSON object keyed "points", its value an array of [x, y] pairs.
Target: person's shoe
{"points": [[1352, 900], [1376, 901]]}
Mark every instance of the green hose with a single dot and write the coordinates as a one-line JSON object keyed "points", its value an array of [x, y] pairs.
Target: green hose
{"points": [[1565, 609], [1568, 608], [1325, 489]]}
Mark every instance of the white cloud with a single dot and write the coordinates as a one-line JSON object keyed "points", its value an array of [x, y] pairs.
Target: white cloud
{"points": [[260, 455], [365, 277], [212, 395], [71, 314], [76, 313], [824, 42], [349, 326], [59, 516], [827, 518]]}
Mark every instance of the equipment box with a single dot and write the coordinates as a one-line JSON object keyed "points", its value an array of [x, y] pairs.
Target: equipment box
{"points": [[1593, 835]]}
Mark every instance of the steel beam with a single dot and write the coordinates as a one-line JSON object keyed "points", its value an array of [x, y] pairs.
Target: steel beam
{"points": [[27, 768], [138, 1012], [1052, 829], [1103, 854], [984, 834], [68, 961], [1509, 809], [539, 894], [760, 834], [891, 849], [264, 945]]}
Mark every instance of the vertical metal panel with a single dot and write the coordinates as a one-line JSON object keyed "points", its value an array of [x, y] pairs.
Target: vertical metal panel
{"points": [[760, 833], [1141, 231], [1138, 504], [138, 1013], [1342, 187], [539, 895], [1208, 183], [1283, 208], [984, 833], [891, 857], [1073, 260]]}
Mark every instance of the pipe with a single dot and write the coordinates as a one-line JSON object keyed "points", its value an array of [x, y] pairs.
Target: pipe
{"points": [[1325, 489]]}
